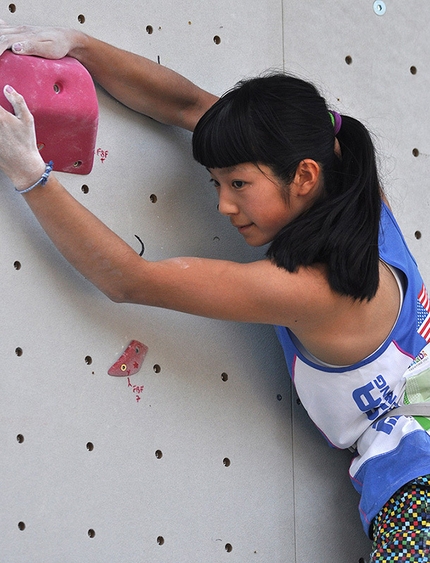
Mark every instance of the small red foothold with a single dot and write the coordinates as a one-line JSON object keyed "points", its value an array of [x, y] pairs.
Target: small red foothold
{"points": [[130, 361]]}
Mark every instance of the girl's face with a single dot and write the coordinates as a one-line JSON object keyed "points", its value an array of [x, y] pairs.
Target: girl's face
{"points": [[258, 204]]}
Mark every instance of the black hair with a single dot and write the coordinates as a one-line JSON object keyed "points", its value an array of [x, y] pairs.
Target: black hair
{"points": [[278, 120]]}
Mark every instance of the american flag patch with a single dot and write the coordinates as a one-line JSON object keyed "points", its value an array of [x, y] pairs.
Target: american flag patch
{"points": [[423, 314]]}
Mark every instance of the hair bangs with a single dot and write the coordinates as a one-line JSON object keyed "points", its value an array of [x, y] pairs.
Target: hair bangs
{"points": [[222, 137]]}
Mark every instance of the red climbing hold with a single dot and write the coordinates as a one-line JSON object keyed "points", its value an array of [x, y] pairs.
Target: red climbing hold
{"points": [[62, 98], [130, 361]]}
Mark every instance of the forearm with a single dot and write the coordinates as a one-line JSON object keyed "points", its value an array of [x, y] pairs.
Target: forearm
{"points": [[90, 246], [141, 84]]}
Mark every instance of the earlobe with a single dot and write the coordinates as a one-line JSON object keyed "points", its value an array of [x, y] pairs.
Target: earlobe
{"points": [[307, 177]]}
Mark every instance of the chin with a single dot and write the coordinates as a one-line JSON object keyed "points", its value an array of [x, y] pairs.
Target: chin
{"points": [[257, 243]]}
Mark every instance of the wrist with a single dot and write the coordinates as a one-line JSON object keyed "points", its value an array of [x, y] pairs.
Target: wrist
{"points": [[78, 44], [28, 177]]}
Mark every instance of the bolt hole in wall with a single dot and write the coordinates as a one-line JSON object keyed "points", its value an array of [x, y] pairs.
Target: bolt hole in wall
{"points": [[158, 454], [20, 438], [90, 446], [85, 189], [416, 152], [81, 18], [88, 360], [21, 526], [348, 60], [156, 368], [153, 198], [17, 265], [18, 351], [418, 235]]}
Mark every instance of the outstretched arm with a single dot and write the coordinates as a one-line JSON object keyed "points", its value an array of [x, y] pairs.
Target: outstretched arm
{"points": [[137, 82], [254, 292]]}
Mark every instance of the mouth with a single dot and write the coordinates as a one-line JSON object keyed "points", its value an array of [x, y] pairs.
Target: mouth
{"points": [[243, 228]]}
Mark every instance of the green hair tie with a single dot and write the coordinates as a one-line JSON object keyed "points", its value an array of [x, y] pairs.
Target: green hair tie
{"points": [[336, 121]]}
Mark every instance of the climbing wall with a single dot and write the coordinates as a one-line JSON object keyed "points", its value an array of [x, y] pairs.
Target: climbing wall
{"points": [[204, 455], [368, 58]]}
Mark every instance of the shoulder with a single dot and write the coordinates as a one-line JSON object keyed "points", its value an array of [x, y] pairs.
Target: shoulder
{"points": [[297, 295]]}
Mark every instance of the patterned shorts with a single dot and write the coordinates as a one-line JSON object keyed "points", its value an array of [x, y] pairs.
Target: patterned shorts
{"points": [[401, 530]]}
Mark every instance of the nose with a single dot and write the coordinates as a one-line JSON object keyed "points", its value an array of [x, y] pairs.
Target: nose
{"points": [[226, 204]]}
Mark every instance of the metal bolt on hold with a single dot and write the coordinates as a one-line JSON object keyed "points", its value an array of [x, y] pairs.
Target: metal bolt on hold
{"points": [[130, 361], [379, 7]]}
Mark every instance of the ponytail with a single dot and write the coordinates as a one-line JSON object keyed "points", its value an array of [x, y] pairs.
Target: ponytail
{"points": [[341, 229]]}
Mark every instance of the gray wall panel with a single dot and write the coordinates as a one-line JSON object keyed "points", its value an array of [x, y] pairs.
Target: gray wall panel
{"points": [[285, 497]]}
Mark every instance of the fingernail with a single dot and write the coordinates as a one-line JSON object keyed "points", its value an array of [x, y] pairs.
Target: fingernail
{"points": [[17, 47], [8, 89]]}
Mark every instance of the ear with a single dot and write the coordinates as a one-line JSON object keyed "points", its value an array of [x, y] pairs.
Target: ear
{"points": [[307, 177]]}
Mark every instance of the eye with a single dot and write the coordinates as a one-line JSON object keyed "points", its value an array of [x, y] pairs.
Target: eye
{"points": [[214, 182], [238, 184]]}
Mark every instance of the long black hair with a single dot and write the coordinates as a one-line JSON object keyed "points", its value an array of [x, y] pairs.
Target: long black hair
{"points": [[279, 120]]}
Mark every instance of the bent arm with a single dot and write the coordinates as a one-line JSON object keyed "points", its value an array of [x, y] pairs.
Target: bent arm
{"points": [[134, 80]]}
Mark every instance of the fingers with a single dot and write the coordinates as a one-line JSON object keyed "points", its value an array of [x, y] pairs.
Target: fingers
{"points": [[18, 103], [46, 42], [20, 158], [16, 45], [3, 44], [7, 39], [18, 39], [23, 48]]}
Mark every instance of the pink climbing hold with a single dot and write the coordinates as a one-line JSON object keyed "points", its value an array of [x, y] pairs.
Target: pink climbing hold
{"points": [[130, 361], [62, 98]]}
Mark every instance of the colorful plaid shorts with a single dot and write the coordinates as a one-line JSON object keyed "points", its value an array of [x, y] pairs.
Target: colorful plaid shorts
{"points": [[401, 530]]}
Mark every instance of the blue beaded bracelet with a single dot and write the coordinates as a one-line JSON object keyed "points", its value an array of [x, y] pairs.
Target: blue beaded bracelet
{"points": [[43, 179]]}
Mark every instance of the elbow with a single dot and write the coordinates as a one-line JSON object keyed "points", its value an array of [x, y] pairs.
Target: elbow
{"points": [[116, 287], [124, 285], [116, 298], [122, 295], [115, 294]]}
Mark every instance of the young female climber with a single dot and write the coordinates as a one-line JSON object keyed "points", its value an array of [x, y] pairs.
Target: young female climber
{"points": [[338, 282]]}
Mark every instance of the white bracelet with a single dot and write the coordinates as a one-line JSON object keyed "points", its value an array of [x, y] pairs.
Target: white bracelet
{"points": [[43, 179]]}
